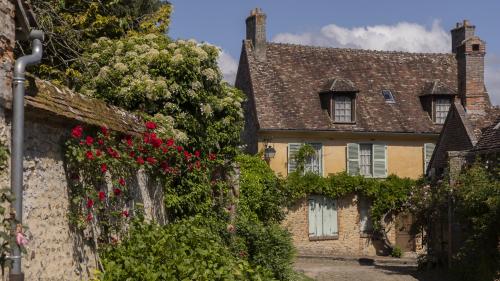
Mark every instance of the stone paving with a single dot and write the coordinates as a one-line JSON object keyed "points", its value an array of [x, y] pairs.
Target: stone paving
{"points": [[335, 270]]}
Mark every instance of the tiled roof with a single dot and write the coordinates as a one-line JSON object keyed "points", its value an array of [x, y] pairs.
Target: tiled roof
{"points": [[436, 87], [286, 87], [487, 131]]}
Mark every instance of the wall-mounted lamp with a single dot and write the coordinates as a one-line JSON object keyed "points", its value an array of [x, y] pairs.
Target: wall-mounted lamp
{"points": [[269, 152]]}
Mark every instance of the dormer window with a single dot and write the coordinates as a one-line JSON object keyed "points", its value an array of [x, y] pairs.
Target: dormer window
{"points": [[436, 99], [338, 97], [441, 108]]}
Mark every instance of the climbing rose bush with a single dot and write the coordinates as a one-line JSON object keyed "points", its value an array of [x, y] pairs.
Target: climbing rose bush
{"points": [[103, 168]]}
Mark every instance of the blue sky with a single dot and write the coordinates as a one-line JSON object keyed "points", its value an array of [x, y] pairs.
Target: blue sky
{"points": [[421, 26]]}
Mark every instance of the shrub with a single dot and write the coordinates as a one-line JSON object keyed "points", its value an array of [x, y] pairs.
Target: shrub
{"points": [[186, 250], [396, 252]]}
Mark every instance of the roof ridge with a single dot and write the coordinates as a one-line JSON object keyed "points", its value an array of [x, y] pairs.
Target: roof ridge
{"points": [[356, 50]]}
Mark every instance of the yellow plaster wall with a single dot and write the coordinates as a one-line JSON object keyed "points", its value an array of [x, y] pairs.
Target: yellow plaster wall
{"points": [[405, 155]]}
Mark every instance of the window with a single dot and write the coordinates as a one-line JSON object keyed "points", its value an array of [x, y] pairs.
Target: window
{"points": [[313, 164], [342, 108], [322, 218], [365, 222], [442, 106], [389, 98], [367, 159]]}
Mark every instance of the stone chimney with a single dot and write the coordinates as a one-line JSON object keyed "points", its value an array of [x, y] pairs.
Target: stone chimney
{"points": [[256, 32], [469, 51]]}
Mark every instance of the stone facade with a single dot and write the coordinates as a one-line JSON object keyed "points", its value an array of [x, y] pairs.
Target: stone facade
{"points": [[350, 241]]}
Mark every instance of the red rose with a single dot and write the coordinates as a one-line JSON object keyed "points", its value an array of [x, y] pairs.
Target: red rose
{"points": [[197, 165], [89, 155], [104, 130], [102, 195], [140, 160], [150, 125], [89, 140], [125, 213], [151, 160], [121, 181], [197, 153], [77, 132], [132, 154], [104, 168], [117, 191], [212, 156], [170, 142], [89, 217], [90, 203], [156, 142], [129, 142], [179, 148], [98, 153], [100, 142]]}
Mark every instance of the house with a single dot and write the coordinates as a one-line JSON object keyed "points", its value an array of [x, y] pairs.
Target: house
{"points": [[373, 113], [471, 131]]}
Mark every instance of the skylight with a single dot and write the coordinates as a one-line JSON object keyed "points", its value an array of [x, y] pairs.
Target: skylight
{"points": [[389, 98]]}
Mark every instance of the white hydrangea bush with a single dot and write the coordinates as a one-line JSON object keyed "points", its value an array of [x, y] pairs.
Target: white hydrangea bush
{"points": [[177, 83]]}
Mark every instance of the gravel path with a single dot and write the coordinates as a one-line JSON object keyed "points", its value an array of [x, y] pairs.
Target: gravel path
{"points": [[333, 270]]}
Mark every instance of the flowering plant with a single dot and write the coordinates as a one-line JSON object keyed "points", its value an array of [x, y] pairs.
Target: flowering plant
{"points": [[104, 164]]}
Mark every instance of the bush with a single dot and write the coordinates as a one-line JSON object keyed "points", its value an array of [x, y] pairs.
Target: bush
{"points": [[186, 250], [261, 207], [396, 252]]}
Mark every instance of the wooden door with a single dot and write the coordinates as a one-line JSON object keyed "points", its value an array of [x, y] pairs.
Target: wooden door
{"points": [[404, 239]]}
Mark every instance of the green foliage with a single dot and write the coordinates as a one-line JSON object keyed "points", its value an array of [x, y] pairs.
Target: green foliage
{"points": [[387, 195], [4, 156], [396, 252], [262, 192], [305, 152], [477, 199], [260, 210], [185, 250], [71, 26], [177, 82]]}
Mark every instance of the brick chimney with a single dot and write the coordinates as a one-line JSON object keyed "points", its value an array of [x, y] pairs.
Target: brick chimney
{"points": [[469, 51], [256, 32]]}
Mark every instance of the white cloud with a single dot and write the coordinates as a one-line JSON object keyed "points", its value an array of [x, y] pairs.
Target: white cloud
{"points": [[228, 66], [403, 36], [492, 78]]}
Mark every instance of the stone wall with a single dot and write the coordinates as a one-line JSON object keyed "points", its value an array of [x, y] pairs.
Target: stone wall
{"points": [[55, 251], [350, 241]]}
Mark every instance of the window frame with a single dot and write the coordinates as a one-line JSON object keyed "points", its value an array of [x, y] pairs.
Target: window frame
{"points": [[371, 159], [352, 97], [434, 108]]}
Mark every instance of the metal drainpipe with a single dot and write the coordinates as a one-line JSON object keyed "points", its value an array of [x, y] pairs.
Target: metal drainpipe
{"points": [[16, 179]]}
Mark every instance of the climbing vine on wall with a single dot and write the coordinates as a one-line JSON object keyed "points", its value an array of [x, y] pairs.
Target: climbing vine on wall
{"points": [[103, 168]]}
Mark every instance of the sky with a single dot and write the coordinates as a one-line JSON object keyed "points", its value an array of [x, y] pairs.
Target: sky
{"points": [[402, 25]]}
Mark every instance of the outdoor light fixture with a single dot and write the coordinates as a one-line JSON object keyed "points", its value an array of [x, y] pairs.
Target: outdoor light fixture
{"points": [[269, 152]]}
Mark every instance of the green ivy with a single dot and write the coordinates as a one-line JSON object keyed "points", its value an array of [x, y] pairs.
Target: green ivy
{"points": [[388, 195]]}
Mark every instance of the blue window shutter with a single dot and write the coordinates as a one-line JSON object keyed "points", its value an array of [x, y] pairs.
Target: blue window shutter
{"points": [[352, 158], [428, 150], [293, 148], [329, 217], [312, 217], [318, 216], [379, 160]]}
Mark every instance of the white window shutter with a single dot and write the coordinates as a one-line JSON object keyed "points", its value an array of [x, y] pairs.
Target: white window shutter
{"points": [[428, 150], [353, 158], [312, 217], [379, 160], [333, 215], [293, 148]]}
